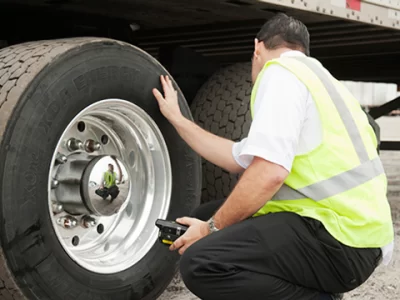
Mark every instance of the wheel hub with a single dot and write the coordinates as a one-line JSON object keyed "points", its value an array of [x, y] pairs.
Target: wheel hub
{"points": [[109, 233], [111, 202], [78, 180]]}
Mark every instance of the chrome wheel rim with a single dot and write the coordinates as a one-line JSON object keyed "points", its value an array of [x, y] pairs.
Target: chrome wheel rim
{"points": [[103, 236]]}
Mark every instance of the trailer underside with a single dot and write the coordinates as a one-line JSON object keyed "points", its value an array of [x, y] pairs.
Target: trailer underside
{"points": [[221, 32]]}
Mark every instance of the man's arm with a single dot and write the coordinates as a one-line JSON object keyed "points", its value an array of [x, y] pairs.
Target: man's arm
{"points": [[213, 148], [258, 184], [119, 168]]}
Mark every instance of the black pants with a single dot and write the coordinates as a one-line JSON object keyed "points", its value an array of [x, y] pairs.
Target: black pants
{"points": [[113, 191], [278, 256]]}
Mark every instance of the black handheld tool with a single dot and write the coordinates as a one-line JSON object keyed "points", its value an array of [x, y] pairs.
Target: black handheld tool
{"points": [[170, 231]]}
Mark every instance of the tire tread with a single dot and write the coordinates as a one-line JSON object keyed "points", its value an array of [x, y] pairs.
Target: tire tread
{"points": [[222, 107]]}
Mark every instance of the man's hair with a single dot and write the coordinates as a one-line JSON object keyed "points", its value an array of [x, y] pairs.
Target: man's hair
{"points": [[284, 31]]}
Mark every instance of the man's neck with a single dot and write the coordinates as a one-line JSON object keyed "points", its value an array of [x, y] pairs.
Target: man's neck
{"points": [[277, 53], [281, 51]]}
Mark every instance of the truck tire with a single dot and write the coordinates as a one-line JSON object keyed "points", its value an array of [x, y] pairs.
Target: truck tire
{"points": [[222, 106], [67, 109]]}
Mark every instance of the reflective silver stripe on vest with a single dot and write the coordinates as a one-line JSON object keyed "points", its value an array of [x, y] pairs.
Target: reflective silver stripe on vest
{"points": [[334, 185], [366, 171], [341, 107]]}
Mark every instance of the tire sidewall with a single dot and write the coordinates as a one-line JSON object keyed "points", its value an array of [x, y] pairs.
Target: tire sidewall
{"points": [[68, 85]]}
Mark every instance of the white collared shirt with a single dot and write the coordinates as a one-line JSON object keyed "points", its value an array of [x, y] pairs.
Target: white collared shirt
{"points": [[286, 125]]}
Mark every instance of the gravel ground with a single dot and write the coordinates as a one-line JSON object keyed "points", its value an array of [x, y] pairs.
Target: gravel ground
{"points": [[384, 284]]}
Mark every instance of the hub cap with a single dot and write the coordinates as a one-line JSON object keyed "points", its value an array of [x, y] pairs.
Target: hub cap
{"points": [[115, 144]]}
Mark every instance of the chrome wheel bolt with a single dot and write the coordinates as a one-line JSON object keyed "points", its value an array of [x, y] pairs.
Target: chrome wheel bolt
{"points": [[88, 221], [57, 208], [91, 146], [74, 144], [67, 222]]}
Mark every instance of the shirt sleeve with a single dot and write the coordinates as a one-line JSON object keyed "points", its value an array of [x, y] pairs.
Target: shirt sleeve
{"points": [[279, 114]]}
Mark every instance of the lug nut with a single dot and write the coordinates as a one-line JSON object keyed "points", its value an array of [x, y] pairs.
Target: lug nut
{"points": [[57, 208], [88, 221], [91, 146], [61, 159], [54, 183], [67, 222], [74, 144]]}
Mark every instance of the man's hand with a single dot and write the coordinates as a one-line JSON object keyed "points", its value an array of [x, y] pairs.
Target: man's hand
{"points": [[168, 103], [213, 148], [197, 230]]}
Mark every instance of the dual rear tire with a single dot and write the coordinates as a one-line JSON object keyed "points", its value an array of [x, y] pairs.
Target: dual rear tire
{"points": [[44, 86]]}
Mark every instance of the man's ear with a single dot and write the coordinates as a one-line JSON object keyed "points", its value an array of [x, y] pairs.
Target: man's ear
{"points": [[256, 48]]}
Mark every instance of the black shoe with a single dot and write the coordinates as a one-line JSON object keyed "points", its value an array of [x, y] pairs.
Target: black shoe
{"points": [[337, 296]]}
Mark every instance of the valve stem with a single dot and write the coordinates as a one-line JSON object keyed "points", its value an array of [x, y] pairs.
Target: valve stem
{"points": [[54, 183], [61, 159]]}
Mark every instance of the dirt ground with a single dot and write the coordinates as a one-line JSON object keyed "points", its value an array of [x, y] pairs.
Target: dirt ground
{"points": [[384, 284]]}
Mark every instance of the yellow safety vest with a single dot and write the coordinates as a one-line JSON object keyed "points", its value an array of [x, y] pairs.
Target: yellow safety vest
{"points": [[342, 182], [110, 179]]}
